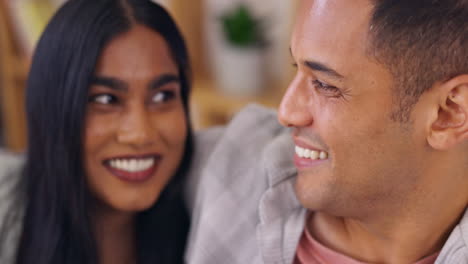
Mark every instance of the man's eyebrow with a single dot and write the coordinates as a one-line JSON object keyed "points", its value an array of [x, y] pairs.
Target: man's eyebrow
{"points": [[110, 82], [317, 66], [163, 80]]}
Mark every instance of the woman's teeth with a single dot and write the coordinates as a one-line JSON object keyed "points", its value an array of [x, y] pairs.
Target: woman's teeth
{"points": [[311, 154], [132, 165]]}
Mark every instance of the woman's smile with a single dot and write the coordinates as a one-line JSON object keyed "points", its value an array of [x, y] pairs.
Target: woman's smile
{"points": [[133, 168]]}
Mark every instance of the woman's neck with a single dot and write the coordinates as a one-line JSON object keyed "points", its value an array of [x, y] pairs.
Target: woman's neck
{"points": [[115, 236]]}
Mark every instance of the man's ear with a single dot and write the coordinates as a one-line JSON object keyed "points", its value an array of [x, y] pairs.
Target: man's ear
{"points": [[451, 124]]}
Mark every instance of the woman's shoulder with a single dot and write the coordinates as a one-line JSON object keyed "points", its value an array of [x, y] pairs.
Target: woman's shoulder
{"points": [[11, 167], [11, 205]]}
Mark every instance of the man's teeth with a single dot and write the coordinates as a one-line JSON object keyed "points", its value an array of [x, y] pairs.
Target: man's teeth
{"points": [[311, 154], [132, 165]]}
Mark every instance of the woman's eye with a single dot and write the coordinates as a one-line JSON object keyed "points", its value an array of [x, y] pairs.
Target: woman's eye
{"points": [[103, 99], [163, 96]]}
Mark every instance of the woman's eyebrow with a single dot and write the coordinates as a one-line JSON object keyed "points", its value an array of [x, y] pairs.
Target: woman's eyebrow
{"points": [[163, 79], [109, 82]]}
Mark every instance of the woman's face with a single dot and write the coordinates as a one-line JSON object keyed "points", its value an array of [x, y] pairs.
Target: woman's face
{"points": [[135, 128]]}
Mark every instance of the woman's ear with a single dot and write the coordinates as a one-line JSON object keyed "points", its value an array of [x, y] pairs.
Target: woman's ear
{"points": [[451, 124]]}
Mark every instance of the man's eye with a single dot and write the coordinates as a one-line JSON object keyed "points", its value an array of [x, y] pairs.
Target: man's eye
{"points": [[103, 99], [163, 96], [325, 87]]}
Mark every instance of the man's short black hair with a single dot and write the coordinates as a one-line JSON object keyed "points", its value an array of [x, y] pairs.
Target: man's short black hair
{"points": [[421, 42]]}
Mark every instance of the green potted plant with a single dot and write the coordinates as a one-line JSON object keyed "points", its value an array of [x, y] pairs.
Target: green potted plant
{"points": [[242, 29], [240, 67]]}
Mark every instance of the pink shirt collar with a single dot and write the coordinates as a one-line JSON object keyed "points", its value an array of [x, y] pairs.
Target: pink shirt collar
{"points": [[310, 251]]}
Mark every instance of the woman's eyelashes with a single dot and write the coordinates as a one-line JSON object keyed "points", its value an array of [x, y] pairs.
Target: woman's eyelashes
{"points": [[159, 97], [163, 96], [103, 99]]}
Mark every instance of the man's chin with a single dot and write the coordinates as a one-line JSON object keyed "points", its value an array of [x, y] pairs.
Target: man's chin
{"points": [[309, 198], [317, 197]]}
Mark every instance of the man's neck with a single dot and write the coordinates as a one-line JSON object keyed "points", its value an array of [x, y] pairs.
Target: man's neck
{"points": [[386, 239]]}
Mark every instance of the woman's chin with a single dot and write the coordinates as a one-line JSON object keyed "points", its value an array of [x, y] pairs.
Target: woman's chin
{"points": [[132, 204], [138, 206]]}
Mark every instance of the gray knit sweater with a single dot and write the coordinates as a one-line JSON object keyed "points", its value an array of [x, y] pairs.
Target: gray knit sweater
{"points": [[11, 205]]}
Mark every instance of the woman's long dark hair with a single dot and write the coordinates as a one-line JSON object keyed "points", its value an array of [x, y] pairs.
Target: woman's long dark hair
{"points": [[57, 226]]}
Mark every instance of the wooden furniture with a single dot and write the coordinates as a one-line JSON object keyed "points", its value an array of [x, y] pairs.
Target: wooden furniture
{"points": [[210, 107], [13, 72], [189, 17]]}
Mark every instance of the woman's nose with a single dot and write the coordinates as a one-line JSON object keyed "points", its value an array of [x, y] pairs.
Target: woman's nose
{"points": [[136, 128]]}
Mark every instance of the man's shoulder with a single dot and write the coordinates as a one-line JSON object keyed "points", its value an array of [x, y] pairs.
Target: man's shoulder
{"points": [[230, 184], [455, 249], [256, 121], [237, 150]]}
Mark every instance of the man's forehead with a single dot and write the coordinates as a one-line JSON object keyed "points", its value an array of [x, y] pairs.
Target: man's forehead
{"points": [[331, 29], [346, 10]]}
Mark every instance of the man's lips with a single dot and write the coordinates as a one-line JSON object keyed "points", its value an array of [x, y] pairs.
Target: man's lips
{"points": [[133, 168], [305, 163]]}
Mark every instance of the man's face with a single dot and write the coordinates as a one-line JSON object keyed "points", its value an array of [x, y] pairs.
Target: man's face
{"points": [[350, 155]]}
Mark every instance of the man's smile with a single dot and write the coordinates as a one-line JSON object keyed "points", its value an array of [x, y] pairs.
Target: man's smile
{"points": [[307, 156], [310, 153]]}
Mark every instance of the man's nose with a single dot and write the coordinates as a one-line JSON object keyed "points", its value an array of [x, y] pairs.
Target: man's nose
{"points": [[136, 128], [294, 108]]}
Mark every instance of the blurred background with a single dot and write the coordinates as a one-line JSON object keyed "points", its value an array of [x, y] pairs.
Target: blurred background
{"points": [[239, 51]]}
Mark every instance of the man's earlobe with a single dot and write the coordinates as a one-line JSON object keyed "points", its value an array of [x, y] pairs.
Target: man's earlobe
{"points": [[451, 125]]}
